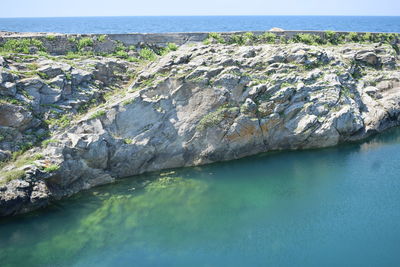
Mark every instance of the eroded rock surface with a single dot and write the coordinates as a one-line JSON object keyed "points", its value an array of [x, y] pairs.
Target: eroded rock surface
{"points": [[208, 103]]}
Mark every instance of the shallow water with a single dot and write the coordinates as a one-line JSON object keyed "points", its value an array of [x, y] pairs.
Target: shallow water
{"points": [[200, 23], [331, 207]]}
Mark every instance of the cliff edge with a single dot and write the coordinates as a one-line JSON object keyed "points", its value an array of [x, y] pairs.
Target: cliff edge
{"points": [[109, 117]]}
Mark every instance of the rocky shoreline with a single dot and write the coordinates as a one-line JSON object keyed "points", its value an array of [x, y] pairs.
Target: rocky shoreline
{"points": [[69, 123]]}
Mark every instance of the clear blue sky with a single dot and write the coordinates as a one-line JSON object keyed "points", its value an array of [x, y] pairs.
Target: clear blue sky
{"points": [[57, 8]]}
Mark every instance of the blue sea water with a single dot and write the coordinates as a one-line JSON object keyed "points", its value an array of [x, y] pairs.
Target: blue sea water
{"points": [[162, 24], [328, 207]]}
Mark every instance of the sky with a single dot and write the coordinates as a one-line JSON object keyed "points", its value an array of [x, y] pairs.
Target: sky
{"points": [[68, 8]]}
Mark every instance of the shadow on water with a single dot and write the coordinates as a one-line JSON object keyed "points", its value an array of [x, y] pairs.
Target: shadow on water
{"points": [[254, 210]]}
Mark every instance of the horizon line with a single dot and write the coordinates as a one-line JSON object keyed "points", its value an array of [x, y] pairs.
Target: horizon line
{"points": [[111, 16]]}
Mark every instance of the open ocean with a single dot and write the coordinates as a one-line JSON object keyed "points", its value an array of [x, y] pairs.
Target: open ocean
{"points": [[199, 24]]}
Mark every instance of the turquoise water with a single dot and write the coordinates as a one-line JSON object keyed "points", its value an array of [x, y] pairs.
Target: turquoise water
{"points": [[330, 207], [200, 23]]}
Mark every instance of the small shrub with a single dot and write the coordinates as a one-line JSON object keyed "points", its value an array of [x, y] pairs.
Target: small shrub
{"points": [[128, 141], [37, 157], [306, 38], [50, 37], [133, 59], [249, 37], [217, 37], [331, 37], [121, 54], [13, 175], [283, 40], [61, 122], [352, 37], [84, 42], [172, 46], [147, 54], [102, 38], [22, 45], [207, 41], [213, 118], [43, 54], [43, 75], [51, 168], [268, 37], [128, 102], [98, 114], [72, 55], [72, 39], [120, 47], [237, 39], [132, 48], [367, 37], [45, 143], [32, 66]]}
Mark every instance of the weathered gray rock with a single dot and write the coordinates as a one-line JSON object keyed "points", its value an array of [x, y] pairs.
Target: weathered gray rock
{"points": [[203, 104], [80, 76], [15, 116], [51, 71], [21, 196], [368, 57], [8, 89]]}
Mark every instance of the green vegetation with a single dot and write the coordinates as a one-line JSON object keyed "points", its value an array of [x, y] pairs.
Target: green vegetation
{"points": [[352, 37], [214, 118], [46, 142], [367, 37], [22, 45], [12, 175], [72, 55], [98, 114], [328, 38], [43, 75], [84, 42], [50, 37], [147, 54], [268, 37], [17, 173], [68, 76], [23, 148], [217, 37], [237, 39], [122, 54], [311, 39], [133, 59], [102, 38], [72, 39], [172, 46], [128, 141], [62, 122], [128, 102], [332, 37], [32, 66], [51, 168]]}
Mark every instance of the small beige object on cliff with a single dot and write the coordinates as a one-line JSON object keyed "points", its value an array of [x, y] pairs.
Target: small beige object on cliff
{"points": [[276, 30]]}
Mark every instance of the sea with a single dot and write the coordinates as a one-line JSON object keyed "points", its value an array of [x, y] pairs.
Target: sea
{"points": [[162, 24]]}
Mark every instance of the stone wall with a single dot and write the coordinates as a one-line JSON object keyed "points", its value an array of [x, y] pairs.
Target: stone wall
{"points": [[56, 43]]}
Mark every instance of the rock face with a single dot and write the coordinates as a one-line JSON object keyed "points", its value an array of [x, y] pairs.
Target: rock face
{"points": [[208, 103]]}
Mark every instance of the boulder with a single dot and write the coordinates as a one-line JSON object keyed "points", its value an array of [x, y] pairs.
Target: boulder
{"points": [[15, 116], [80, 76], [368, 57], [8, 89]]}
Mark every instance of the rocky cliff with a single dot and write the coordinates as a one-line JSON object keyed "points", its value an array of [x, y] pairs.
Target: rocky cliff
{"points": [[200, 104]]}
